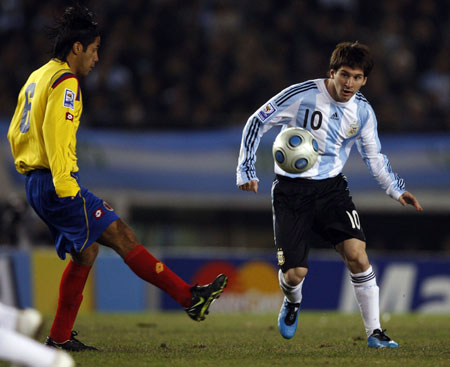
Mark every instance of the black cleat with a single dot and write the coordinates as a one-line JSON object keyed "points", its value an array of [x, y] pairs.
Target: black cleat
{"points": [[72, 345], [203, 296]]}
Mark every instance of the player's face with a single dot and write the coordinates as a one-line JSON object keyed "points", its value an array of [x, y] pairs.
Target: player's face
{"points": [[88, 58], [345, 82]]}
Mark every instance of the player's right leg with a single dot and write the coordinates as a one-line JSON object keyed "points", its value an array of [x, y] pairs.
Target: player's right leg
{"points": [[195, 299], [291, 284], [292, 216]]}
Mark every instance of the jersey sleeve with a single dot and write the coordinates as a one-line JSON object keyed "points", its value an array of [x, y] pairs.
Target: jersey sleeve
{"points": [[58, 130], [369, 148], [268, 116]]}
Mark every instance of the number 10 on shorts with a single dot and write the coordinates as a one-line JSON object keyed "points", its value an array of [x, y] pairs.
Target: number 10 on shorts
{"points": [[354, 219]]}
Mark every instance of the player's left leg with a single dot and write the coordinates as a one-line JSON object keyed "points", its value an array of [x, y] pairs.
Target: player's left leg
{"points": [[196, 300], [363, 279]]}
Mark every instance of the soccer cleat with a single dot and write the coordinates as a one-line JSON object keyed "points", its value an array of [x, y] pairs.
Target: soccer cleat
{"points": [[288, 319], [72, 345], [379, 339], [29, 322], [203, 296]]}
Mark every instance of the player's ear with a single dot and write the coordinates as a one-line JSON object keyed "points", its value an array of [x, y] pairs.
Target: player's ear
{"points": [[364, 81], [332, 73], [77, 48]]}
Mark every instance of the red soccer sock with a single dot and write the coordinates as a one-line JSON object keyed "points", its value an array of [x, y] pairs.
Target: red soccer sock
{"points": [[71, 288], [155, 272]]}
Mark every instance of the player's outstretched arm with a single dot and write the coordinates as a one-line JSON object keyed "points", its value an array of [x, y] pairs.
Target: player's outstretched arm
{"points": [[250, 186], [408, 198]]}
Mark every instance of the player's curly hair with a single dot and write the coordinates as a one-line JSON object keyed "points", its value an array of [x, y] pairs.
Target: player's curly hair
{"points": [[77, 24], [352, 54]]}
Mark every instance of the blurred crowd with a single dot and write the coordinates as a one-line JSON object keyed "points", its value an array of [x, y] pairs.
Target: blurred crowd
{"points": [[177, 64]]}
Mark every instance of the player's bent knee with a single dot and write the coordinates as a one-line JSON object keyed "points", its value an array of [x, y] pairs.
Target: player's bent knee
{"points": [[120, 237]]}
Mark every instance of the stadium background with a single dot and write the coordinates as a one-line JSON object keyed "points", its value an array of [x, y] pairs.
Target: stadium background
{"points": [[160, 134]]}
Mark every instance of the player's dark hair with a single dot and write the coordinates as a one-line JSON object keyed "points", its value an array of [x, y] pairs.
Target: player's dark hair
{"points": [[352, 54], [77, 24]]}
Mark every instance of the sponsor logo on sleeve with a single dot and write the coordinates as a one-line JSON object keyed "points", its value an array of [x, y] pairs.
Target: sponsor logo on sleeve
{"points": [[69, 116], [69, 99], [98, 213], [268, 110]]}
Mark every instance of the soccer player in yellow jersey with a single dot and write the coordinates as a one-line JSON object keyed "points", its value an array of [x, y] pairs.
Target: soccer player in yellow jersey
{"points": [[42, 135]]}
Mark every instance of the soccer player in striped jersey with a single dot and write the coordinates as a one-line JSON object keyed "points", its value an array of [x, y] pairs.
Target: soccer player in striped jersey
{"points": [[318, 200], [42, 136]]}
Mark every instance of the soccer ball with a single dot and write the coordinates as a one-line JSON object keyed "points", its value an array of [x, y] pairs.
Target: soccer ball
{"points": [[295, 150]]}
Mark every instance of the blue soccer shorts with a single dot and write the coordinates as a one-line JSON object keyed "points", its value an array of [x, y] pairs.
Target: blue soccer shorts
{"points": [[74, 223]]}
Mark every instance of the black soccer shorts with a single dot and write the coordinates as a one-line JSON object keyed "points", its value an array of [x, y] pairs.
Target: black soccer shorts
{"points": [[302, 207]]}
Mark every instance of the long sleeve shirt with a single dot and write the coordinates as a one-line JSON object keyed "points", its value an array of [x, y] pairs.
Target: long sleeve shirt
{"points": [[336, 126]]}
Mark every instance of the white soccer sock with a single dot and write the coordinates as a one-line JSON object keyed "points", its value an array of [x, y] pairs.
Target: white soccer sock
{"points": [[292, 293], [368, 298], [8, 317], [17, 348]]}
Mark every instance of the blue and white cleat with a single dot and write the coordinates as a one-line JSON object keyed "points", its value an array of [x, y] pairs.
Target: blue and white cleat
{"points": [[379, 339], [288, 319]]}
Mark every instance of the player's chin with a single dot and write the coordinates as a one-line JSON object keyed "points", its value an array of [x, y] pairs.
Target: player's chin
{"points": [[347, 96], [86, 72]]}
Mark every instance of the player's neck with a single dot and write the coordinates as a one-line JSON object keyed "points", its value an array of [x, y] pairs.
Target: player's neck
{"points": [[329, 84]]}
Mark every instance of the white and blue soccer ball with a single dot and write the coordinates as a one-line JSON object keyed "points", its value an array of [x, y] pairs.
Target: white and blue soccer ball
{"points": [[295, 150]]}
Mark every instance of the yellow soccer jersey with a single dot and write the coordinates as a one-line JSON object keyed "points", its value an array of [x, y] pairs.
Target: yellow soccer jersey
{"points": [[43, 129]]}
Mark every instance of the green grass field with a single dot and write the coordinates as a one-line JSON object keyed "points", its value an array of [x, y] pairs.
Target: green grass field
{"points": [[324, 339]]}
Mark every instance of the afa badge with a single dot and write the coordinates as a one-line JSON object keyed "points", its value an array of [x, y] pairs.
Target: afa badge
{"points": [[69, 99], [268, 110], [354, 128], [280, 257]]}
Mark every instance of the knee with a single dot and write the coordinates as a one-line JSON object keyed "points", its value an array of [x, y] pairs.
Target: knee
{"points": [[357, 261], [86, 257], [295, 276], [353, 251], [119, 237]]}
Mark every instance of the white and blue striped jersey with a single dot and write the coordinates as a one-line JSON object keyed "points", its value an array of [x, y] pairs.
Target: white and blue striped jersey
{"points": [[335, 125]]}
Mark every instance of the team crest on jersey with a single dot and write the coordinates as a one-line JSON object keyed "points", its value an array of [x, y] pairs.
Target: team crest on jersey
{"points": [[69, 99], [159, 267], [107, 206], [268, 110], [280, 257], [354, 128]]}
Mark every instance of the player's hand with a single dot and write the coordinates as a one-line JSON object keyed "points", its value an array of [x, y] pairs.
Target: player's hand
{"points": [[250, 186], [408, 198]]}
